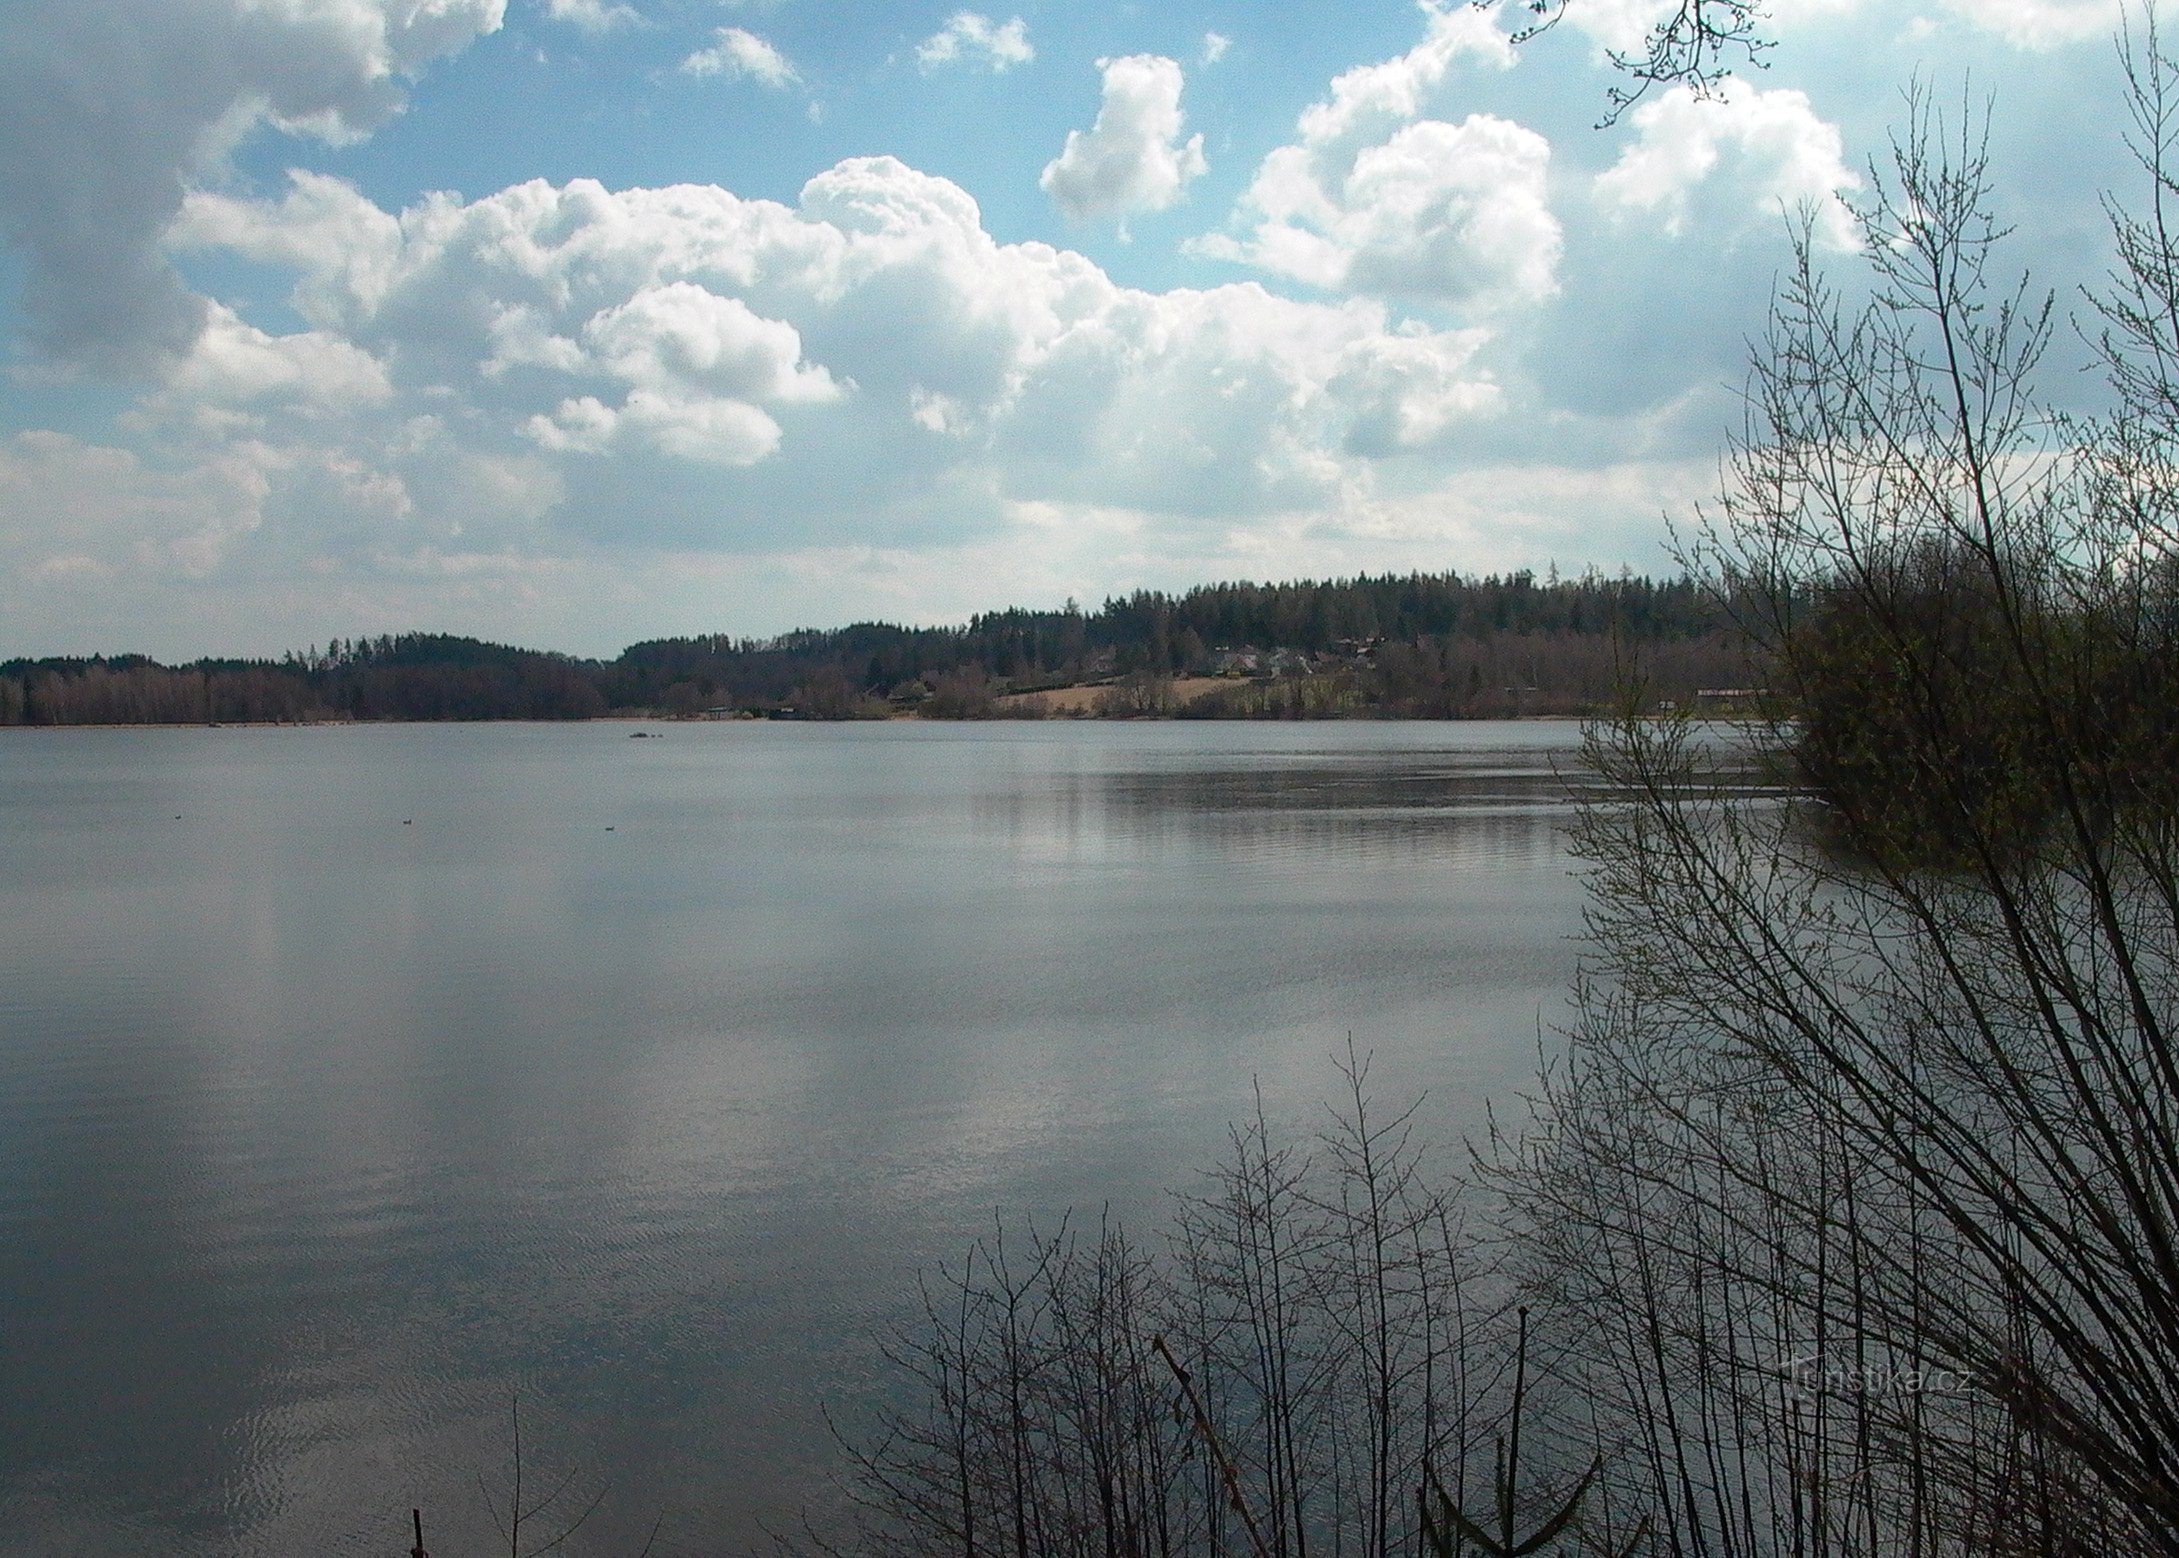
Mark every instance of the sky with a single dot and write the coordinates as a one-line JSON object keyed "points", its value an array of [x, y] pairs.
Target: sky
{"points": [[572, 323]]}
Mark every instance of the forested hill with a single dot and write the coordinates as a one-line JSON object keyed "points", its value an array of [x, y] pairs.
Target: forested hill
{"points": [[1436, 645]]}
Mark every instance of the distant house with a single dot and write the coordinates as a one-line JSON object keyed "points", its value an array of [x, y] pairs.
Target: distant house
{"points": [[1248, 660], [1726, 700]]}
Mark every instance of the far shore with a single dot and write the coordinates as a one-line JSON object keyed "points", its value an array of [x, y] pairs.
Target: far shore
{"points": [[1085, 698], [1081, 710]]}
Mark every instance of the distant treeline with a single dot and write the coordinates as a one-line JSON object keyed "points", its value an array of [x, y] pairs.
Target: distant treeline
{"points": [[417, 676], [1430, 645]]}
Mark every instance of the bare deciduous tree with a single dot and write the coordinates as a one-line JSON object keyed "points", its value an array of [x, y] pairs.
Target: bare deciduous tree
{"points": [[1319, 1333], [1695, 44], [1861, 1192]]}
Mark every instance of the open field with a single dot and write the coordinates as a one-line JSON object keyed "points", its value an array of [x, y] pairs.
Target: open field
{"points": [[1083, 699]]}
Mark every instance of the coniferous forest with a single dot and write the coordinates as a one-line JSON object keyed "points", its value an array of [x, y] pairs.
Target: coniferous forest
{"points": [[1435, 646]]}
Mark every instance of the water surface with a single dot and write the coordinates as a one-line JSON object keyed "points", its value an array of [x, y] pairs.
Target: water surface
{"points": [[354, 1078]]}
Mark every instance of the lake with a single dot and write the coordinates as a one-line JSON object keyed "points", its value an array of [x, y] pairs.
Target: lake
{"points": [[354, 1079]]}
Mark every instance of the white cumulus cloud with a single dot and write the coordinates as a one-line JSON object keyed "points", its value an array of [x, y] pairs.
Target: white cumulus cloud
{"points": [[1445, 213], [700, 368], [592, 15], [1369, 100], [1372, 198], [970, 38], [1133, 159], [679, 334], [1411, 390], [740, 54], [719, 432], [235, 365], [1769, 152]]}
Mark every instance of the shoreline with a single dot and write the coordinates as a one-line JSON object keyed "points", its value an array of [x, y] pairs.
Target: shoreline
{"points": [[892, 719]]}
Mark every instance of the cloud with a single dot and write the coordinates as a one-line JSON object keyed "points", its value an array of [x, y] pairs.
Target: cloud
{"points": [[592, 15], [235, 366], [1490, 518], [1619, 26], [715, 431], [1440, 213], [1370, 100], [1215, 45], [972, 39], [1133, 158], [1373, 199], [252, 548], [705, 371], [2042, 24], [696, 365], [1625, 26], [1766, 152], [108, 107], [102, 512], [1410, 392], [741, 54], [680, 336]]}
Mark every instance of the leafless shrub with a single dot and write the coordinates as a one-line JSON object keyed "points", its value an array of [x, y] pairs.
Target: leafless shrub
{"points": [[1859, 1191], [1319, 1331]]}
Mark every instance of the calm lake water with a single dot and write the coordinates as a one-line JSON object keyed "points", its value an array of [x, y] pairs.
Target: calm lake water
{"points": [[352, 1079]]}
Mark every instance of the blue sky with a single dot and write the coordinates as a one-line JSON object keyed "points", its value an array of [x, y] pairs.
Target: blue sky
{"points": [[573, 322]]}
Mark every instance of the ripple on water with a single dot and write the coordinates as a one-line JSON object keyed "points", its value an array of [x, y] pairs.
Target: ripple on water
{"points": [[321, 1138]]}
